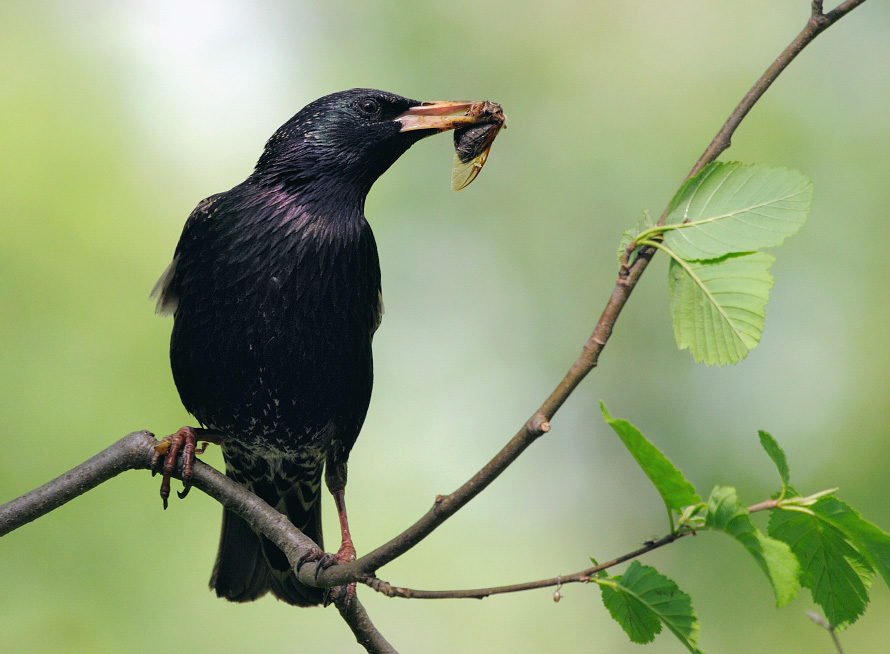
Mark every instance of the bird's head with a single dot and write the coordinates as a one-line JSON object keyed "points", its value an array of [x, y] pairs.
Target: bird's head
{"points": [[354, 136]]}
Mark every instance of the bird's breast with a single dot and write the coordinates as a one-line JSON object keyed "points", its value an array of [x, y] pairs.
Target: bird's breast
{"points": [[273, 330]]}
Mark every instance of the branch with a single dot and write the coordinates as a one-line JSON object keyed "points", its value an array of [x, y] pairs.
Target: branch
{"points": [[578, 577], [134, 452], [446, 506], [832, 630], [365, 632], [125, 454], [818, 23]]}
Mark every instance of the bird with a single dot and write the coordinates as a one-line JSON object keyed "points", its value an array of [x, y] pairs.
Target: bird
{"points": [[275, 293]]}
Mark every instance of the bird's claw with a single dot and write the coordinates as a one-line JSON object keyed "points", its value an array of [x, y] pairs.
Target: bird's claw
{"points": [[183, 443], [345, 554], [319, 556], [326, 560], [339, 594]]}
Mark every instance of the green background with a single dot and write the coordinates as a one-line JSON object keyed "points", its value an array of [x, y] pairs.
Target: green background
{"points": [[118, 117]]}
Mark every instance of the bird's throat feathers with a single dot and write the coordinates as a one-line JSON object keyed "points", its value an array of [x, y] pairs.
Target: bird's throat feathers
{"points": [[312, 212]]}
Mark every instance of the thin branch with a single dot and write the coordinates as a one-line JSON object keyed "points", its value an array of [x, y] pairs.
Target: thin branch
{"points": [[817, 23], [480, 593], [366, 634], [539, 424], [583, 576], [825, 624]]}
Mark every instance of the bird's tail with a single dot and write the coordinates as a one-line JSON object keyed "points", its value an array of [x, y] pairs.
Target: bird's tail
{"points": [[249, 565]]}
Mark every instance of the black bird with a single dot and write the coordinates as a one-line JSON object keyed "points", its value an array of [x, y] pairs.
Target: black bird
{"points": [[275, 292]]}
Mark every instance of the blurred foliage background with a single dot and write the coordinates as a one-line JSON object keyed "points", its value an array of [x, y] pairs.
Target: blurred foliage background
{"points": [[118, 117]]}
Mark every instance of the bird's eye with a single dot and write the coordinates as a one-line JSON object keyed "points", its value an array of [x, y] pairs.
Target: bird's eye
{"points": [[369, 106]]}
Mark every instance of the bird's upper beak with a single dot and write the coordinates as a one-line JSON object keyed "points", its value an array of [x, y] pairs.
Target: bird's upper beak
{"points": [[449, 114]]}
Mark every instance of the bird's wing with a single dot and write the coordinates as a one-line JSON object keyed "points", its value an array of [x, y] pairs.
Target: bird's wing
{"points": [[165, 289], [380, 312], [167, 298]]}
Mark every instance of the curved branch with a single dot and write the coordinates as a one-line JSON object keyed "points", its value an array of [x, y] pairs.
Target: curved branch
{"points": [[444, 507], [578, 577], [480, 593], [134, 451]]}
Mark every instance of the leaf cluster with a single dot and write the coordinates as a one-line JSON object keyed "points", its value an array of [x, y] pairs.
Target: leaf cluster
{"points": [[713, 231], [817, 542]]}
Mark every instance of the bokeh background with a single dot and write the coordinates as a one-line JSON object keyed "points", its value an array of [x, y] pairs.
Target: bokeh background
{"points": [[117, 117]]}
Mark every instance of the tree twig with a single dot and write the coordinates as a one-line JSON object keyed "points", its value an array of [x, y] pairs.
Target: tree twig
{"points": [[583, 576], [830, 628], [817, 23]]}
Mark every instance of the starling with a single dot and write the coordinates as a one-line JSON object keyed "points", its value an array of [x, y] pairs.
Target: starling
{"points": [[275, 292]]}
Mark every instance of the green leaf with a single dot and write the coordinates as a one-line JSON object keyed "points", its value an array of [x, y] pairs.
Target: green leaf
{"points": [[839, 552], [718, 306], [731, 207], [727, 514], [642, 600], [870, 541], [669, 482], [777, 454]]}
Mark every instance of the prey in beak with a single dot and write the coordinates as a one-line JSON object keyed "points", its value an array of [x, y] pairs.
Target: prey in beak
{"points": [[476, 125]]}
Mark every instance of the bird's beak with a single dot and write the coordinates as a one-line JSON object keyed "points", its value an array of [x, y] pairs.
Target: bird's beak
{"points": [[440, 116]]}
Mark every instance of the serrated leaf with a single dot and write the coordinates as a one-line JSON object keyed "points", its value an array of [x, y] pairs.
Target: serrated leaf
{"points": [[642, 600], [839, 552], [731, 207], [838, 578], [668, 480], [718, 306], [870, 541], [777, 454], [727, 514]]}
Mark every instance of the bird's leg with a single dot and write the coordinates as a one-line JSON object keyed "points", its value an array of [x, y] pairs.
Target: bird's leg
{"points": [[335, 478], [183, 443], [346, 553]]}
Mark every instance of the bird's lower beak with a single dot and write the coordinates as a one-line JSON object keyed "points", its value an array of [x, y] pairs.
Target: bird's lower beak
{"points": [[443, 116]]}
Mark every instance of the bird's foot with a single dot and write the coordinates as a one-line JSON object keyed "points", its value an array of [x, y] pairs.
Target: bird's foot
{"points": [[316, 555], [346, 553], [325, 560], [339, 595], [183, 443]]}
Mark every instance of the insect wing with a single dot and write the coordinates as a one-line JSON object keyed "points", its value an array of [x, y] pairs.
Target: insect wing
{"points": [[464, 173], [470, 154]]}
